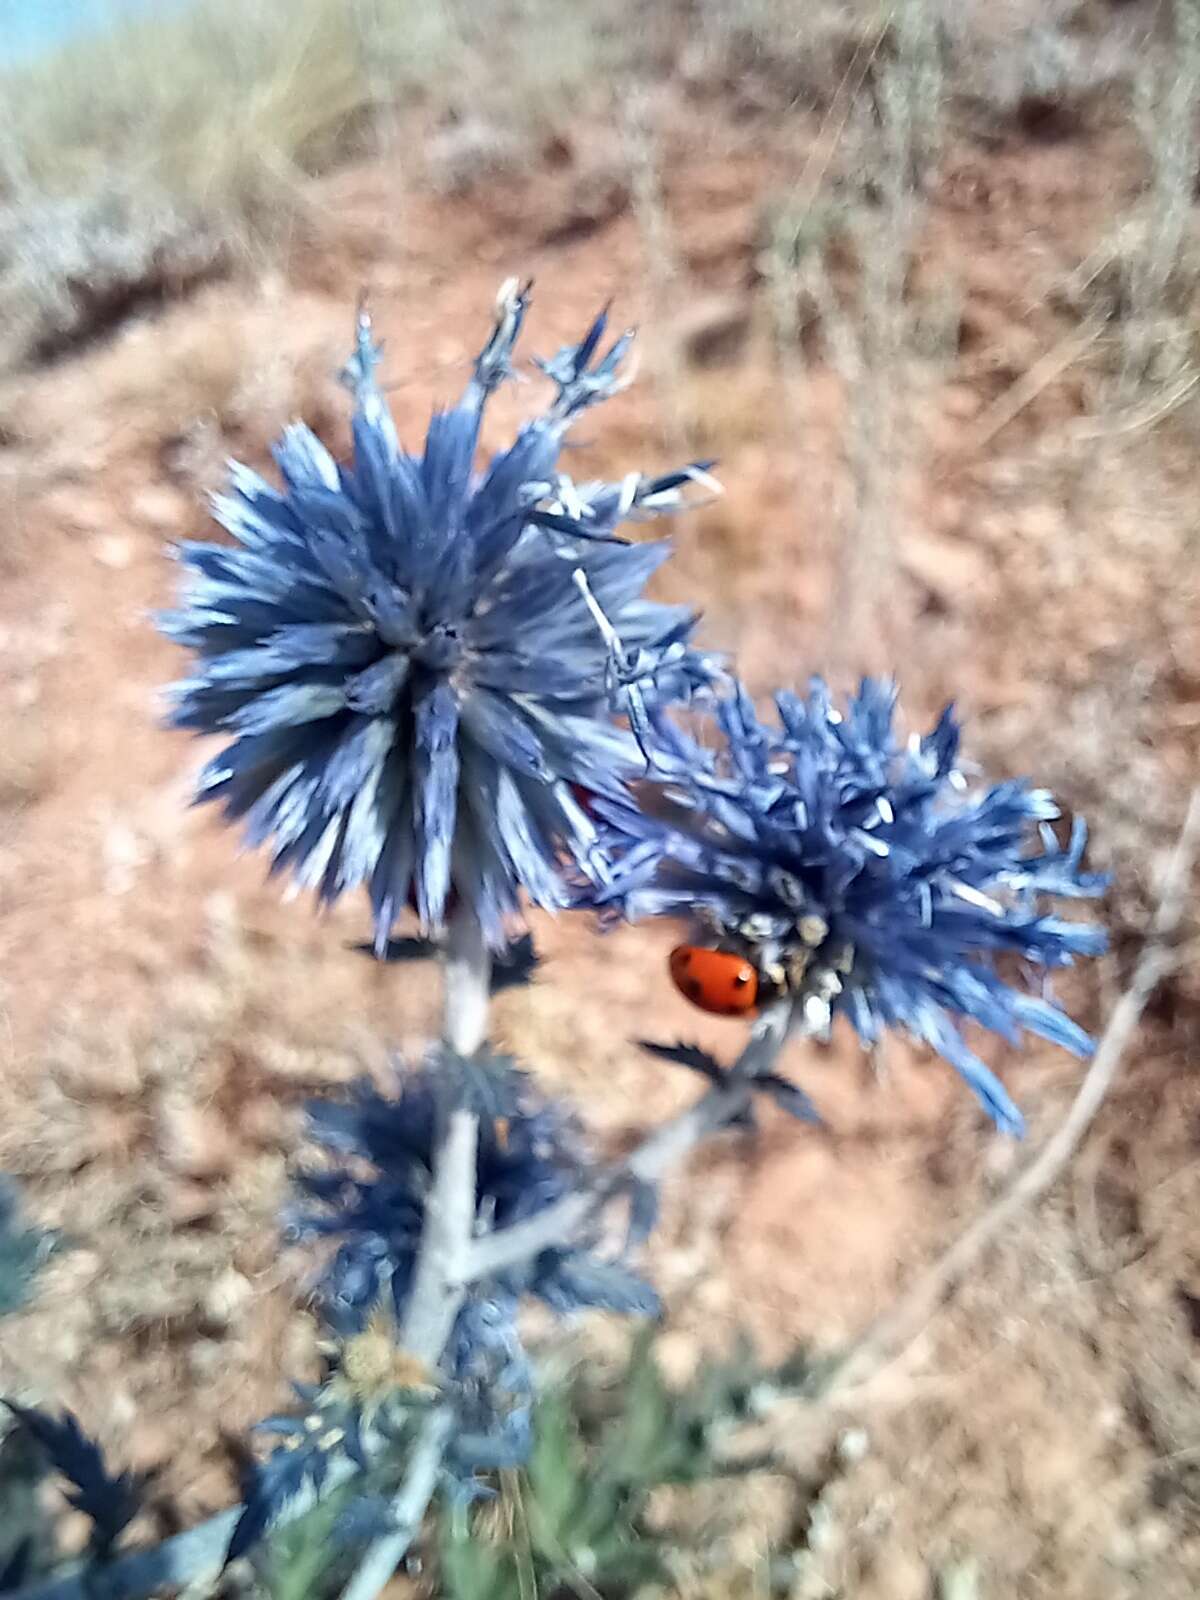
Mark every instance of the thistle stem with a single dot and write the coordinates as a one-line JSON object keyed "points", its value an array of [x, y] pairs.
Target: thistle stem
{"points": [[439, 1279], [467, 983], [445, 1242], [428, 1324], [721, 1105], [408, 1510]]}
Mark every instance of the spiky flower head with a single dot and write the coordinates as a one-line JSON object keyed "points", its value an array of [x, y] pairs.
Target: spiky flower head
{"points": [[864, 874], [415, 660]]}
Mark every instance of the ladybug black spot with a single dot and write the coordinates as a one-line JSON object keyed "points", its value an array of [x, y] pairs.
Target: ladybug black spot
{"points": [[742, 979], [694, 988]]}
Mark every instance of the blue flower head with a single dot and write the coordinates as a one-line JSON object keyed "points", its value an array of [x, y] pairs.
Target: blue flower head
{"points": [[863, 874], [415, 660]]}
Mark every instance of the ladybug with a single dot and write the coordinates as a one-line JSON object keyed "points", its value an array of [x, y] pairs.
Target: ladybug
{"points": [[744, 972], [583, 797], [718, 981]]}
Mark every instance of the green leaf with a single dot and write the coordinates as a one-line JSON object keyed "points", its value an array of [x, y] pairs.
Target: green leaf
{"points": [[472, 1568], [301, 1561], [557, 1468], [576, 1522]]}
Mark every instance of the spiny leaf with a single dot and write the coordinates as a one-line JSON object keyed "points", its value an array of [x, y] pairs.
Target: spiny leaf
{"points": [[788, 1097], [583, 1280], [512, 967], [110, 1499], [16, 1568], [274, 1483], [643, 1212], [686, 1055]]}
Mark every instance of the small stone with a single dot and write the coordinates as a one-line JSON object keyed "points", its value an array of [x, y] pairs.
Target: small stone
{"points": [[852, 1446], [74, 508], [1042, 524], [950, 569], [188, 1205], [263, 1121], [206, 1358], [226, 1299], [124, 852], [959, 1580], [961, 402], [160, 508], [113, 550], [194, 1141], [902, 1576], [1123, 1549], [1154, 1535], [822, 1529]]}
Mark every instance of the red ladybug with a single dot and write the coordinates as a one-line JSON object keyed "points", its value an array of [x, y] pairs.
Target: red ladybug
{"points": [[717, 981], [584, 798]]}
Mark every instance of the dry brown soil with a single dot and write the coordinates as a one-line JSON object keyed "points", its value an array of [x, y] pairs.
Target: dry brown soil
{"points": [[163, 1015]]}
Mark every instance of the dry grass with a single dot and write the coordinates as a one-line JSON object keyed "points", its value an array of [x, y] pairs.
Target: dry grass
{"points": [[216, 104], [1141, 283], [1161, 265], [175, 145], [148, 157], [840, 265], [1042, 80]]}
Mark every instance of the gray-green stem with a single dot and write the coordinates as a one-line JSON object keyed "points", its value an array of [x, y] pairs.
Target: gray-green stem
{"points": [[467, 984]]}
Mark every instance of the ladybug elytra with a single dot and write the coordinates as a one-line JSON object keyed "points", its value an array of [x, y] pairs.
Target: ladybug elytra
{"points": [[717, 981]]}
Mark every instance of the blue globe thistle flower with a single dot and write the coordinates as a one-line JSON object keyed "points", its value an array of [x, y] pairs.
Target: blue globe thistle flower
{"points": [[862, 874], [415, 660]]}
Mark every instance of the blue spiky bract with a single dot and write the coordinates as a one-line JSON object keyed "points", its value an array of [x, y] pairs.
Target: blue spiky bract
{"points": [[370, 1199], [916, 901], [415, 660], [529, 1156], [110, 1500]]}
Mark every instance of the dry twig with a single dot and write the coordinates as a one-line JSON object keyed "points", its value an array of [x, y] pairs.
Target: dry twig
{"points": [[896, 1329]]}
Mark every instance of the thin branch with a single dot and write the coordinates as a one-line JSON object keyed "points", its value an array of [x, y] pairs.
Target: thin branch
{"points": [[1047, 369], [408, 1509], [438, 1281], [721, 1105], [897, 1327]]}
